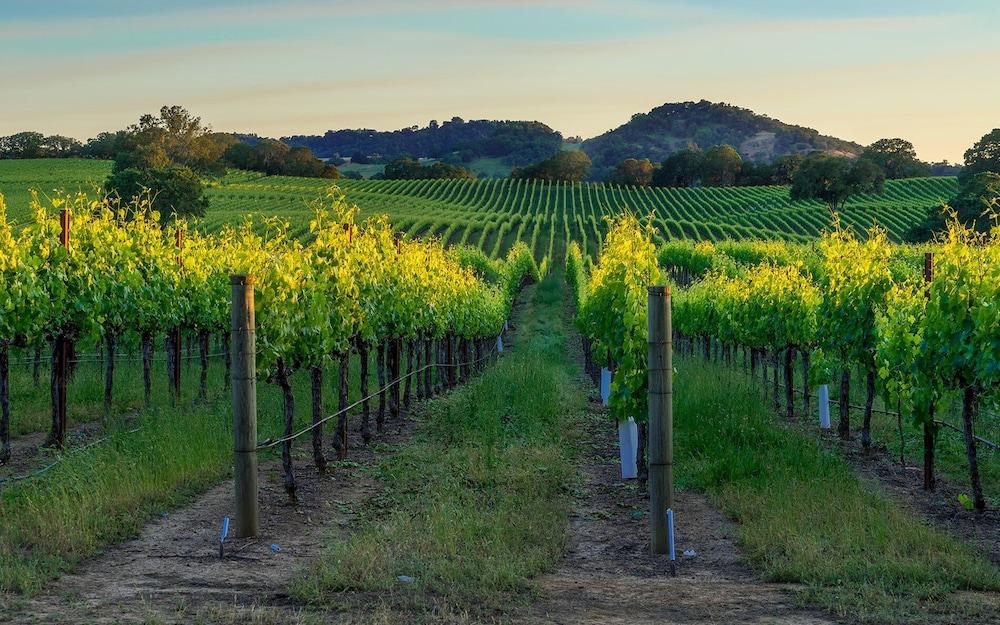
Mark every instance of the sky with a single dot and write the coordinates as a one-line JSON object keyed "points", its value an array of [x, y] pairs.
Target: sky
{"points": [[858, 70]]}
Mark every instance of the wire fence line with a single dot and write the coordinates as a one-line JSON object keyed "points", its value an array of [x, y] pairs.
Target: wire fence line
{"points": [[890, 413], [269, 443], [59, 458]]}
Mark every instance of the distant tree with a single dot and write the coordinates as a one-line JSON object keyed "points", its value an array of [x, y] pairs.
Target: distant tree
{"points": [[271, 156], [944, 168], [834, 179], [720, 166], [105, 146], [301, 162], [566, 166], [897, 158], [36, 145], [175, 137], [977, 205], [360, 158], [984, 156], [23, 145], [680, 169], [784, 168], [406, 168], [58, 146], [175, 190], [978, 200], [635, 172], [241, 156]]}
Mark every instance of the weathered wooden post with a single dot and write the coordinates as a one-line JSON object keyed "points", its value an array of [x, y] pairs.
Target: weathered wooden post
{"points": [[63, 350], [179, 243], [661, 445], [930, 428], [244, 385]]}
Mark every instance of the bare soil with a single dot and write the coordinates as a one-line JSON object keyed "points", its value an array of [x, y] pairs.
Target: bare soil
{"points": [[173, 569], [608, 574]]}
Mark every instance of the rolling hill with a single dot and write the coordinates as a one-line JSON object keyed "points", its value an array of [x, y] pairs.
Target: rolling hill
{"points": [[672, 127]]}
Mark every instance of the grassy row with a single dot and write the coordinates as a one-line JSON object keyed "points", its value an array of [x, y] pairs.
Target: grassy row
{"points": [[805, 517], [154, 461], [478, 503]]}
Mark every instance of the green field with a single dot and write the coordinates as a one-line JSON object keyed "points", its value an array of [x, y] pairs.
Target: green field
{"points": [[493, 214]]}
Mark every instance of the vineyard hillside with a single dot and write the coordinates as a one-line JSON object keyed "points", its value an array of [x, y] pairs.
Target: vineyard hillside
{"points": [[494, 214]]}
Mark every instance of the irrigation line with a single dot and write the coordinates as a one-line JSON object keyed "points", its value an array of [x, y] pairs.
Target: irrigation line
{"points": [[59, 458], [96, 358], [269, 443]]}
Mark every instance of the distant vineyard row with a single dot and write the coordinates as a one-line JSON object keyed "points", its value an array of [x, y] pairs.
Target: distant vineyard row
{"points": [[494, 214]]}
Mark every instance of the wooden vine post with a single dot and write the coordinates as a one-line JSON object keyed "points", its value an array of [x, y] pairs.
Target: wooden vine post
{"points": [[244, 385], [63, 350], [179, 242], [929, 426], [661, 412]]}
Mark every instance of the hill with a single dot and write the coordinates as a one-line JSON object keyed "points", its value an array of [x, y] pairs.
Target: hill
{"points": [[672, 127], [456, 140]]}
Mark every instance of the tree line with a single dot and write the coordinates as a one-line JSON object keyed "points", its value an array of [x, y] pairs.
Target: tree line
{"points": [[168, 156]]}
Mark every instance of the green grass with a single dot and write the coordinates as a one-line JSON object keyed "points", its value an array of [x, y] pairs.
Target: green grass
{"points": [[478, 503], [805, 517], [950, 460], [104, 494]]}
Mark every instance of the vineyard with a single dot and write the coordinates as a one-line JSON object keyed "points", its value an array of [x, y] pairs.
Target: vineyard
{"points": [[494, 214], [923, 337], [377, 297]]}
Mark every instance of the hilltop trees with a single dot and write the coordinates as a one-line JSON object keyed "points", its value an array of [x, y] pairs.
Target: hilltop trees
{"points": [[834, 179], [514, 142], [567, 166], [897, 158]]}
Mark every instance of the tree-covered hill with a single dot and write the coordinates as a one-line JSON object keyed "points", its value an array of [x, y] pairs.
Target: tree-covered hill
{"points": [[516, 142], [672, 127]]}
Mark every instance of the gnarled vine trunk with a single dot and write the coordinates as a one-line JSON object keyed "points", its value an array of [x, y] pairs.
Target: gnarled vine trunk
{"points": [[844, 428], [316, 379]]}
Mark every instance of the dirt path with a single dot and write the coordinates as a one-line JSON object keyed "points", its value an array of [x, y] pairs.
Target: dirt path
{"points": [[608, 575], [173, 570]]}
